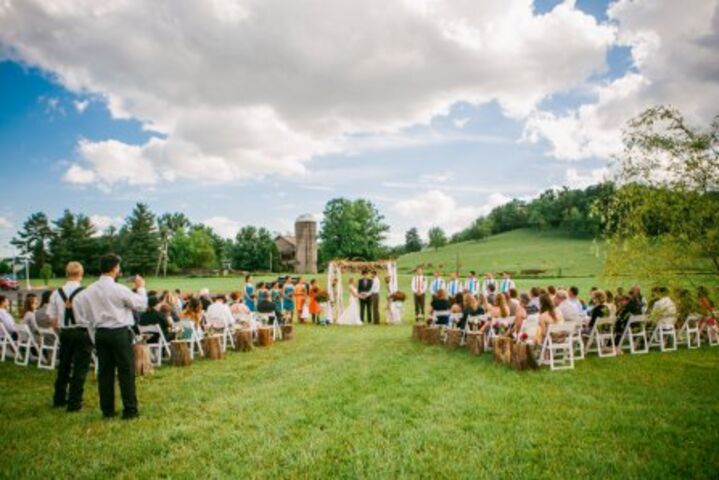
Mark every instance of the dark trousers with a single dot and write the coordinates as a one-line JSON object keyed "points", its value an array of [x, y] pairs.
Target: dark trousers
{"points": [[75, 354], [419, 305], [375, 307], [114, 353], [366, 309]]}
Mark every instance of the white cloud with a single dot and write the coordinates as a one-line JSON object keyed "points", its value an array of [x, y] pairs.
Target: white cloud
{"points": [[103, 222], [435, 208], [223, 226], [460, 122], [81, 105], [6, 224], [675, 51], [238, 88], [580, 179]]}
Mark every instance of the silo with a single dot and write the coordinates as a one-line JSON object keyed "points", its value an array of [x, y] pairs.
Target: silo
{"points": [[306, 238]]}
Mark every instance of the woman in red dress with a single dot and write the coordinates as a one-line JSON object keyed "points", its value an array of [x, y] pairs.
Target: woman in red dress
{"points": [[314, 305]]}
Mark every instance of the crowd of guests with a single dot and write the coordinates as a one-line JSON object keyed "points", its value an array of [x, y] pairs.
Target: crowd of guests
{"points": [[528, 315]]}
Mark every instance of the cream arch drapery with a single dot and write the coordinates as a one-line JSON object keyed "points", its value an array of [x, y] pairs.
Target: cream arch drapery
{"points": [[338, 266]]}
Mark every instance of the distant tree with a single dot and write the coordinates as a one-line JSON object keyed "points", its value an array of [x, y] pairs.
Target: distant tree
{"points": [[74, 239], [255, 249], [663, 220], [202, 249], [351, 229], [46, 273], [5, 267], [33, 240], [437, 237], [412, 241], [140, 241]]}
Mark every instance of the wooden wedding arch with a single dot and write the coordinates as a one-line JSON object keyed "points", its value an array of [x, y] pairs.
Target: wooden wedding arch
{"points": [[335, 269]]}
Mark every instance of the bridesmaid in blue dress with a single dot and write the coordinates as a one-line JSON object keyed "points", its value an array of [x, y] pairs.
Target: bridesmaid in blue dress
{"points": [[288, 300], [250, 293]]}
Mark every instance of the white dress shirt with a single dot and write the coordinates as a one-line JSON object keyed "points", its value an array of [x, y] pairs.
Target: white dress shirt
{"points": [[8, 321], [436, 285], [419, 284], [472, 285], [107, 304], [375, 286], [569, 311], [219, 315], [56, 305], [29, 320], [486, 283]]}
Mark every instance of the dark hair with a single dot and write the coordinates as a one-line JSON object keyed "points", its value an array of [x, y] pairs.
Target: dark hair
{"points": [[313, 281], [471, 272], [546, 305], [364, 271], [491, 287], [552, 290], [2, 299], [29, 298], [574, 290], [220, 296], [108, 262], [247, 278], [152, 302], [45, 299], [178, 291], [534, 291], [513, 293]]}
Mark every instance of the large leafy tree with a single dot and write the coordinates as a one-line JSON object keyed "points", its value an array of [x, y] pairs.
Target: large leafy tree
{"points": [[437, 237], [412, 240], [352, 228], [74, 239], [254, 249], [33, 240], [140, 241], [663, 221]]}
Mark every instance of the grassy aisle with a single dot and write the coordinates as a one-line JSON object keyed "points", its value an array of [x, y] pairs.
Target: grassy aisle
{"points": [[369, 402]]}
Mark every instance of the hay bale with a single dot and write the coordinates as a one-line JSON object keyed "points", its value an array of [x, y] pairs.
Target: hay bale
{"points": [[142, 359], [180, 354], [475, 343], [212, 347], [454, 338]]}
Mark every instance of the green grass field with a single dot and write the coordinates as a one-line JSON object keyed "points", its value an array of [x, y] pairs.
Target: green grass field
{"points": [[368, 402]]}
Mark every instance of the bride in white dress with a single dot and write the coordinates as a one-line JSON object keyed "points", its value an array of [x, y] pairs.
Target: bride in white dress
{"points": [[351, 314]]}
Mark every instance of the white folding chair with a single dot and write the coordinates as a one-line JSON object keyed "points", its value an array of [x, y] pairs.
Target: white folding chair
{"points": [[158, 348], [270, 319], [6, 343], [454, 319], [25, 345], [558, 347], [690, 331], [49, 343], [631, 338], [601, 337], [473, 322], [712, 332], [664, 331], [578, 344]]}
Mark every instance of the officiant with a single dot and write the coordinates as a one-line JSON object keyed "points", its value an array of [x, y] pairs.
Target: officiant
{"points": [[364, 288]]}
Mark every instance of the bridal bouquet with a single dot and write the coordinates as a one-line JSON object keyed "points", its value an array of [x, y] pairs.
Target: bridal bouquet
{"points": [[398, 296], [322, 296]]}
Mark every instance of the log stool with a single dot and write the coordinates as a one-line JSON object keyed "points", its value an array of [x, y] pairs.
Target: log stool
{"points": [[475, 343], [502, 349], [212, 346], [418, 330], [243, 340], [180, 353], [523, 357], [142, 358], [454, 338], [433, 336], [287, 331], [264, 335]]}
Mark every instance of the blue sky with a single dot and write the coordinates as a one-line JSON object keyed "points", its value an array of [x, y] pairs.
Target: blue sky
{"points": [[428, 162]]}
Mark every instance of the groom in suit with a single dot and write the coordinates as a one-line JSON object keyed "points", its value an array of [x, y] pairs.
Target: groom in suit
{"points": [[364, 288]]}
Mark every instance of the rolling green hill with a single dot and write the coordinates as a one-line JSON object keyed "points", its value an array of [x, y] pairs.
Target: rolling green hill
{"points": [[514, 251]]}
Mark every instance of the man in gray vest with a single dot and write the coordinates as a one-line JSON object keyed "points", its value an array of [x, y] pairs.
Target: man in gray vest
{"points": [[107, 306], [75, 346]]}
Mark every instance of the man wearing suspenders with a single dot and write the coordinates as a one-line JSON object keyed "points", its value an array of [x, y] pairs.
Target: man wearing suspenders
{"points": [[75, 346], [454, 286], [419, 288], [107, 307], [472, 284]]}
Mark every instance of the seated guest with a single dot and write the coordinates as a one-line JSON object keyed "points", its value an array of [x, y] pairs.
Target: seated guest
{"points": [[591, 297], [513, 301], [520, 314], [552, 291], [192, 317], [501, 308], [168, 298], [205, 298], [491, 294], [440, 303], [6, 318], [568, 309], [706, 309], [458, 303], [573, 299], [664, 311], [238, 308], [548, 315], [600, 309], [267, 306], [633, 305], [29, 306], [610, 303], [42, 319], [152, 316], [472, 308], [219, 315], [533, 306]]}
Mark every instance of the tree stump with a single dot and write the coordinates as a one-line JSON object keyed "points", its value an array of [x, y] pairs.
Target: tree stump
{"points": [[212, 346], [143, 360], [180, 353], [418, 330], [287, 332], [264, 335], [433, 336], [475, 343], [523, 357], [502, 349], [243, 340], [454, 338]]}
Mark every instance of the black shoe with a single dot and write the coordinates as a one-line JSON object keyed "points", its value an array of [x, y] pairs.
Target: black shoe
{"points": [[59, 405], [74, 408], [109, 415], [130, 416]]}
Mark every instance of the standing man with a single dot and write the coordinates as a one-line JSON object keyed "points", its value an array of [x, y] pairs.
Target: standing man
{"points": [[376, 286], [454, 286], [436, 285], [75, 345], [364, 288], [472, 284], [419, 288], [488, 280], [107, 306], [506, 284]]}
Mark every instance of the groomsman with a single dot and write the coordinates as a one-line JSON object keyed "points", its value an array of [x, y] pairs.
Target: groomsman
{"points": [[472, 284], [107, 306], [75, 345], [488, 280], [506, 284], [454, 286], [364, 288], [436, 285], [419, 288], [376, 286]]}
